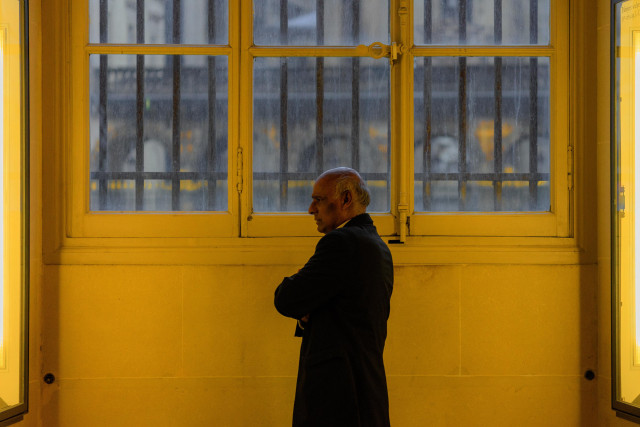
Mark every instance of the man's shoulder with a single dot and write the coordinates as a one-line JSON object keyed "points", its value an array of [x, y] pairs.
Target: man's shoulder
{"points": [[358, 228]]}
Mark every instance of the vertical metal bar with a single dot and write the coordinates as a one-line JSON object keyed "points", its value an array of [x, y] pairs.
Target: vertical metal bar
{"points": [[355, 90], [175, 158], [462, 108], [102, 152], [497, 123], [533, 107], [426, 89], [284, 94], [462, 21], [139, 107], [319, 89], [212, 148]]}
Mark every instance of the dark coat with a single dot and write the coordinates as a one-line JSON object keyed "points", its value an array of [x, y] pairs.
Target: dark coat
{"points": [[346, 288]]}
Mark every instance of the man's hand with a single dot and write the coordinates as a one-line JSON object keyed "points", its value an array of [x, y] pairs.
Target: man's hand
{"points": [[305, 319]]}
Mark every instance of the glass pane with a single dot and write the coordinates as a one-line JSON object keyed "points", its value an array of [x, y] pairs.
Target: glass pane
{"points": [[14, 255], [313, 114], [480, 22], [159, 123], [158, 21], [474, 121], [626, 197], [320, 22]]}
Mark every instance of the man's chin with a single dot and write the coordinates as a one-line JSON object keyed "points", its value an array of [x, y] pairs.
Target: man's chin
{"points": [[321, 229]]}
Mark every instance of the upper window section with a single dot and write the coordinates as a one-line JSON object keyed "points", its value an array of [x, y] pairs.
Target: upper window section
{"points": [[320, 23], [481, 22], [159, 21]]}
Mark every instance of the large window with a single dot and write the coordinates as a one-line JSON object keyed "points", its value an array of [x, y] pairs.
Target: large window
{"points": [[451, 110]]}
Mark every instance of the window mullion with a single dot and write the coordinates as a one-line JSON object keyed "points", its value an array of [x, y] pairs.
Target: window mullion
{"points": [[139, 181], [102, 154], [426, 91], [533, 98], [175, 143], [284, 94], [243, 102], [401, 96], [355, 90], [462, 110], [211, 97], [497, 123], [319, 89]]}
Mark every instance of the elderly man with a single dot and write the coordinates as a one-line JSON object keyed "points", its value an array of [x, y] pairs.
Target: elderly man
{"points": [[341, 301]]}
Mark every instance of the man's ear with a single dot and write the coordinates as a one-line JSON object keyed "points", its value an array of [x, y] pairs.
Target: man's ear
{"points": [[347, 198]]}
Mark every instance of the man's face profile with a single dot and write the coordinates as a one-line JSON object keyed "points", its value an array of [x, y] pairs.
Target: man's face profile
{"points": [[325, 206]]}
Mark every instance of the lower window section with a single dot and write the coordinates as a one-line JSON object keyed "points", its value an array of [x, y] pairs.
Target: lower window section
{"points": [[194, 195]]}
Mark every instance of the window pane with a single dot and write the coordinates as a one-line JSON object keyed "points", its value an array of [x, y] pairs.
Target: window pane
{"points": [[481, 22], [320, 22], [313, 114], [482, 123], [158, 132], [158, 21], [14, 213]]}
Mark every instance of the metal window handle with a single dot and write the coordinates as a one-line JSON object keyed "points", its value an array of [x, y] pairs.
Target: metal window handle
{"points": [[377, 50]]}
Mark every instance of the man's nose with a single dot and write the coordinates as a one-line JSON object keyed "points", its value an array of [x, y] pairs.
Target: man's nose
{"points": [[312, 208]]}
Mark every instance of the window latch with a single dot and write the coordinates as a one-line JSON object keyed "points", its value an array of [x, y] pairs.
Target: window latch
{"points": [[239, 172], [379, 50]]}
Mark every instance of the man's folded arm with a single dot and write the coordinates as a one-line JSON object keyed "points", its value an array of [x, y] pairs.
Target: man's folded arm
{"points": [[317, 282]]}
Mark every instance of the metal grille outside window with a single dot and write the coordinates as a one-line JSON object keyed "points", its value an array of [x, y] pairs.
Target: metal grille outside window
{"points": [[482, 124], [312, 113], [481, 97], [158, 122]]}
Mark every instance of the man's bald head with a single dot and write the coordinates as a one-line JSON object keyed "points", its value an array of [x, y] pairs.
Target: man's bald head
{"points": [[338, 195], [347, 179]]}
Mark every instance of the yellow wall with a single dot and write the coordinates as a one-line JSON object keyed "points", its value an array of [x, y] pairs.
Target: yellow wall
{"points": [[470, 342], [202, 345]]}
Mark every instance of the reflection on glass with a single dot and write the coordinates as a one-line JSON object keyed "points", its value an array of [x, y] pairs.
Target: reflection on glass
{"points": [[322, 22], [159, 21], [313, 114], [626, 242], [3, 362], [483, 125], [481, 22], [158, 133], [636, 289], [13, 255]]}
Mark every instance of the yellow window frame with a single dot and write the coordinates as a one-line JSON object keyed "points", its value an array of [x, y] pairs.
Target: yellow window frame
{"points": [[403, 221], [555, 223], [81, 221]]}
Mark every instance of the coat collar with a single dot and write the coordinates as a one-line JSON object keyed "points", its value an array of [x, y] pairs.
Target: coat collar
{"points": [[359, 220]]}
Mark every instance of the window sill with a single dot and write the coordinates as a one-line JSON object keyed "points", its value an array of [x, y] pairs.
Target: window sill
{"points": [[296, 250]]}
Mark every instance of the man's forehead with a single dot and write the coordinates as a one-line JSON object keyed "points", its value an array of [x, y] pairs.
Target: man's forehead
{"points": [[323, 187]]}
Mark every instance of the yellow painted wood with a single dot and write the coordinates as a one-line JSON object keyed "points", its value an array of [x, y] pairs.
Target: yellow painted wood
{"points": [[484, 224], [557, 222], [245, 107], [239, 220], [493, 51], [302, 224], [82, 222], [151, 49]]}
